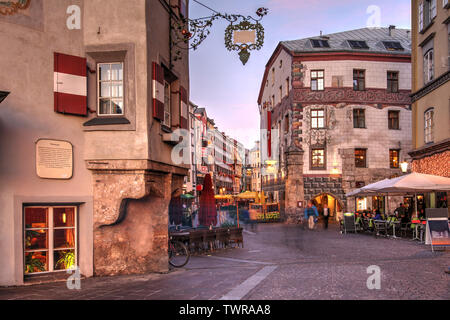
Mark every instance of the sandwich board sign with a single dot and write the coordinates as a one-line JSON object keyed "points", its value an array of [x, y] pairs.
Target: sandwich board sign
{"points": [[438, 230], [349, 222]]}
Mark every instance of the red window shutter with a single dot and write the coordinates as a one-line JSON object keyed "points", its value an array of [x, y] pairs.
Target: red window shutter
{"points": [[184, 109], [70, 84], [158, 91]]}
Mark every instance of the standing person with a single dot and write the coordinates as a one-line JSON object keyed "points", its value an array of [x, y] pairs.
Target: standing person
{"points": [[326, 215], [310, 214]]}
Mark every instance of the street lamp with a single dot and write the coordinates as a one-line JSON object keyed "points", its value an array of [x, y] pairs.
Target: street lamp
{"points": [[404, 166]]}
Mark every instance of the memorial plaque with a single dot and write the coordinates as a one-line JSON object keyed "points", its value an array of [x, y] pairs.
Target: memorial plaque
{"points": [[54, 159]]}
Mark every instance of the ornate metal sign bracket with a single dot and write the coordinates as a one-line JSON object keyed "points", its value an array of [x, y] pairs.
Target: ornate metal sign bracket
{"points": [[244, 33]]}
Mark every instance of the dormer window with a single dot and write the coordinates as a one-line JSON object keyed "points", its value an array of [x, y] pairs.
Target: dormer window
{"points": [[357, 44], [317, 43], [393, 46]]}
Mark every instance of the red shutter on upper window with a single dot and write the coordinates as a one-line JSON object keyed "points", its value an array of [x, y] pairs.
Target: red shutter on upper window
{"points": [[158, 91], [183, 108], [70, 84]]}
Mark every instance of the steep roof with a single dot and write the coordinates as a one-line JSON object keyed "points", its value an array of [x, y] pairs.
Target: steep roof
{"points": [[374, 38]]}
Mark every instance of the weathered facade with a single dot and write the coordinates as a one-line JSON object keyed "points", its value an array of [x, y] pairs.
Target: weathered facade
{"points": [[121, 125], [338, 107]]}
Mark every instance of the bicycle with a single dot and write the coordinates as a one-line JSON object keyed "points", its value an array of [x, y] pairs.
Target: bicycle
{"points": [[178, 253]]}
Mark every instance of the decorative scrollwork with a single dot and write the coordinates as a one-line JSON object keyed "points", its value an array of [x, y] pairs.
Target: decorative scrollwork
{"points": [[190, 33], [8, 8]]}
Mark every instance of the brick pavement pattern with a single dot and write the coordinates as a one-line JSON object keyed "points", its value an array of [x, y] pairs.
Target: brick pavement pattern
{"points": [[310, 265]]}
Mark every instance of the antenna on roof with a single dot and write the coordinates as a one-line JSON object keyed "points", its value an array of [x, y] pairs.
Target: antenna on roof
{"points": [[321, 33]]}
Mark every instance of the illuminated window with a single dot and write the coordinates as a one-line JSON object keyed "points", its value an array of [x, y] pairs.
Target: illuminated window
{"points": [[394, 158], [50, 239], [360, 158], [318, 158]]}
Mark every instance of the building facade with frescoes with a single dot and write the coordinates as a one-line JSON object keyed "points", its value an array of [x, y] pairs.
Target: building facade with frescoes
{"points": [[335, 116]]}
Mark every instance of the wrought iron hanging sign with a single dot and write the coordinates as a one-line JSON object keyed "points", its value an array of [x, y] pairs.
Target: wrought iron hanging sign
{"points": [[8, 8], [244, 34]]}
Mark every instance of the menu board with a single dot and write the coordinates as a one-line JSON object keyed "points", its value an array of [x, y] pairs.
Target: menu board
{"points": [[54, 159]]}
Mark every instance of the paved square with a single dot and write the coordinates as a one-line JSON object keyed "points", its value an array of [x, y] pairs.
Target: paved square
{"points": [[279, 262]]}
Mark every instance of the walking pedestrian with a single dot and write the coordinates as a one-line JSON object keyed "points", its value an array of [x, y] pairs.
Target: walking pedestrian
{"points": [[311, 215], [326, 215]]}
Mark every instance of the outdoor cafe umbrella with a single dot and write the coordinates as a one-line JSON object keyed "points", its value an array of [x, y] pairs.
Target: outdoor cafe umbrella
{"points": [[411, 183]]}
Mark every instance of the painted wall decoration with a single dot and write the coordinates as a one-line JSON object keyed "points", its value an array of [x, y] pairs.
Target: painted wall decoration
{"points": [[438, 164], [9, 8]]}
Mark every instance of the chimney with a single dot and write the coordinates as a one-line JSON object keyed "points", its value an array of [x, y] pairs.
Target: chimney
{"points": [[391, 30]]}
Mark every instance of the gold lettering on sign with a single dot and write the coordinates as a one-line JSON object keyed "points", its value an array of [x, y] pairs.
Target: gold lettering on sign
{"points": [[54, 159]]}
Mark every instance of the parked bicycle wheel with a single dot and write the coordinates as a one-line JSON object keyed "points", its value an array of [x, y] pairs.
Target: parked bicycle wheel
{"points": [[178, 254]]}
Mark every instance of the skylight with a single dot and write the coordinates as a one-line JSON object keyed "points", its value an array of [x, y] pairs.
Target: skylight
{"points": [[393, 46], [316, 43], [358, 44]]}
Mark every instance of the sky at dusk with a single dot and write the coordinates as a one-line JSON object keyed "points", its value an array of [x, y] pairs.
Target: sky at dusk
{"points": [[228, 90]]}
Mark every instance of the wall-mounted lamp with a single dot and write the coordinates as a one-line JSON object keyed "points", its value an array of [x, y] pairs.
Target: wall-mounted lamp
{"points": [[404, 166]]}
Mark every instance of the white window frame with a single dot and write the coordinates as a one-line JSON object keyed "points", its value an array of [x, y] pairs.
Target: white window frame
{"points": [[315, 117], [50, 233], [433, 9], [428, 66], [169, 105], [319, 80], [110, 98], [429, 126]]}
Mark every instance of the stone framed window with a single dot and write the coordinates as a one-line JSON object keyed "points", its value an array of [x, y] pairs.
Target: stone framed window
{"points": [[119, 61], [394, 158], [392, 81], [429, 125], [317, 118], [361, 158], [359, 80], [394, 120], [318, 158], [359, 118], [317, 80]]}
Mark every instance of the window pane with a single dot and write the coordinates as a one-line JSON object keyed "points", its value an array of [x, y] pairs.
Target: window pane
{"points": [[320, 85], [117, 107], [105, 89], [314, 123], [116, 72], [64, 259], [320, 74], [105, 106], [64, 217], [36, 240], [314, 113], [36, 262], [64, 238], [313, 74], [36, 218], [321, 123], [105, 72], [313, 84], [116, 90]]}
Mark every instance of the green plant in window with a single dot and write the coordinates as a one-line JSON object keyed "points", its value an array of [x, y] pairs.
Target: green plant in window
{"points": [[33, 264], [66, 261]]}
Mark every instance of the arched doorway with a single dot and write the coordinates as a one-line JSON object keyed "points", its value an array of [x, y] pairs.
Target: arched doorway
{"points": [[334, 204]]}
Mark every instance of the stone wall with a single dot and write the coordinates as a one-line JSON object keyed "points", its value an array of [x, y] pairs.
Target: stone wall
{"points": [[315, 186], [438, 164]]}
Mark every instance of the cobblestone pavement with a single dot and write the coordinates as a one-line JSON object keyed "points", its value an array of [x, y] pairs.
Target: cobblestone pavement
{"points": [[279, 262]]}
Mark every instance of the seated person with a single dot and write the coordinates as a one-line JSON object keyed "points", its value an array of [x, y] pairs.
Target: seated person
{"points": [[378, 215]]}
